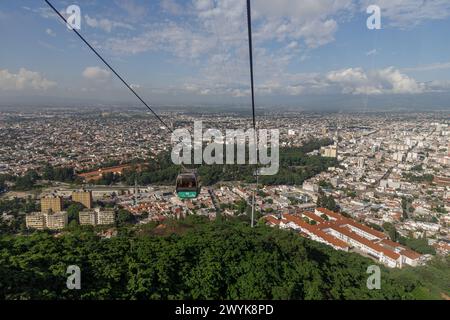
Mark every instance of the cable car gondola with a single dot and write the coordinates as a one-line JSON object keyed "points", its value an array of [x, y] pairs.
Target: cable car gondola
{"points": [[188, 186]]}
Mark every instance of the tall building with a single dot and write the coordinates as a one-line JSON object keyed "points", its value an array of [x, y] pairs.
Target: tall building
{"points": [[106, 216], [84, 197], [35, 220], [40, 221], [56, 221], [97, 217], [330, 151], [51, 203], [88, 217]]}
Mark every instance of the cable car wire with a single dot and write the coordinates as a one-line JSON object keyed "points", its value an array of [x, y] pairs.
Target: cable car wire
{"points": [[250, 49], [110, 67], [252, 84]]}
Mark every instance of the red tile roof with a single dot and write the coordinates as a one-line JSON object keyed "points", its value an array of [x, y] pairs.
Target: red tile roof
{"points": [[390, 243], [344, 220], [365, 228], [316, 231], [410, 254], [391, 254], [272, 220], [330, 213], [313, 216]]}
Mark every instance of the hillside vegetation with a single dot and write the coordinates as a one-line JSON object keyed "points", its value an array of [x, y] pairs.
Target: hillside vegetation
{"points": [[198, 259]]}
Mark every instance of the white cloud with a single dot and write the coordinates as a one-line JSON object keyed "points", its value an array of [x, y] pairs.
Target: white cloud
{"points": [[106, 24], [372, 52], [173, 38], [96, 73], [383, 81], [354, 81], [50, 32], [132, 8], [410, 13], [172, 7], [44, 12], [313, 21], [211, 37], [430, 67], [24, 79]]}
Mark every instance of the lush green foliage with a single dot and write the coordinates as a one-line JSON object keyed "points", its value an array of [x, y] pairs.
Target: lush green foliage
{"points": [[419, 245], [295, 167], [62, 174], [434, 279], [17, 209], [29, 180], [191, 259], [327, 202], [418, 178]]}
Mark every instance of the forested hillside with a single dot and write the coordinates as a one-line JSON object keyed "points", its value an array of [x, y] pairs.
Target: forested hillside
{"points": [[198, 259]]}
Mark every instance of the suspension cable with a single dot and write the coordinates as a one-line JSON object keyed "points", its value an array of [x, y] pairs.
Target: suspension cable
{"points": [[110, 67], [250, 49]]}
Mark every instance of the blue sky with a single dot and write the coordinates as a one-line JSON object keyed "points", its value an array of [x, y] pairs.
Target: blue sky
{"points": [[195, 51]]}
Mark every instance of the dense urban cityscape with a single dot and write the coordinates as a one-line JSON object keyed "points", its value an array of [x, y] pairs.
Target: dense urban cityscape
{"points": [[217, 158], [390, 178]]}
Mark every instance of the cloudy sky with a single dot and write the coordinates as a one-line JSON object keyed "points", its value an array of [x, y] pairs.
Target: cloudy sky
{"points": [[196, 51]]}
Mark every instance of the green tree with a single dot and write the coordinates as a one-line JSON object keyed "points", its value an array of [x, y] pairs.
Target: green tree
{"points": [[391, 230], [124, 216], [73, 211]]}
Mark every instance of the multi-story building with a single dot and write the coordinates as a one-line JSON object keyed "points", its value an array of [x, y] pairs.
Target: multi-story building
{"points": [[51, 203], [88, 217], [35, 220], [330, 151], [52, 221], [97, 217], [346, 234], [56, 221], [105, 217], [84, 197]]}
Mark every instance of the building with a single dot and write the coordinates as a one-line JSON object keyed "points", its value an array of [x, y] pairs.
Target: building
{"points": [[309, 186], [346, 234], [84, 197], [105, 217], [382, 254], [398, 156], [361, 163], [310, 231], [56, 221], [35, 220], [51, 203], [330, 151], [97, 217], [116, 170], [87, 217], [41, 221]]}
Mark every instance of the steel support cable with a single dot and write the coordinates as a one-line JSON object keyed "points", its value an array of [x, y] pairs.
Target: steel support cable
{"points": [[252, 84], [109, 66]]}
